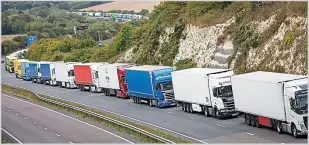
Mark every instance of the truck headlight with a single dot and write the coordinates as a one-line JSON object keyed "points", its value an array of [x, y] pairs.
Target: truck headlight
{"points": [[302, 126], [222, 110]]}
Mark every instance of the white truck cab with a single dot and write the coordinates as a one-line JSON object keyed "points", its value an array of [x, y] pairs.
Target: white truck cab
{"points": [[296, 104], [205, 90]]}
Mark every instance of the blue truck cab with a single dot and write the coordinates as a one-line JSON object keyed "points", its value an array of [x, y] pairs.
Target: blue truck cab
{"points": [[25, 74], [151, 85], [33, 71]]}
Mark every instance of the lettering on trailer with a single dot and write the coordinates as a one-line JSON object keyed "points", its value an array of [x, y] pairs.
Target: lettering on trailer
{"points": [[107, 78], [226, 81]]}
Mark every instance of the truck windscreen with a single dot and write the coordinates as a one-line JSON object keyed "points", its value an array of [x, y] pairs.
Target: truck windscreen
{"points": [[301, 99], [166, 86], [225, 91]]}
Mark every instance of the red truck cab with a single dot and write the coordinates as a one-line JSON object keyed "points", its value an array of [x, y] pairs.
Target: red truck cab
{"points": [[123, 91]]}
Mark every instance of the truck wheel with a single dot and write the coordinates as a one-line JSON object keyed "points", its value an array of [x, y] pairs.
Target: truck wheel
{"points": [[150, 103], [134, 99], [257, 121], [278, 127], [186, 108], [294, 131], [183, 106], [190, 108], [246, 118], [216, 113], [253, 121], [206, 111]]}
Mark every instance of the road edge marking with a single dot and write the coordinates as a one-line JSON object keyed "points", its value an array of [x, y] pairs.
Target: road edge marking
{"points": [[72, 118], [11, 136]]}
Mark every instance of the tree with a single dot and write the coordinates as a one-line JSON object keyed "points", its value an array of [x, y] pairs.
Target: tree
{"points": [[144, 12]]}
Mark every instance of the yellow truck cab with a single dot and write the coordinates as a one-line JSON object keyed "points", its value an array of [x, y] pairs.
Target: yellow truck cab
{"points": [[9, 63], [17, 68]]}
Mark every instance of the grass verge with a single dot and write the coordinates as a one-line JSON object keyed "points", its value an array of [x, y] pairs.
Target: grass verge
{"points": [[32, 98]]}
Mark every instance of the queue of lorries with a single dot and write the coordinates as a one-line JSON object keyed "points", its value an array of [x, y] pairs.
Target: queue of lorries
{"points": [[268, 99]]}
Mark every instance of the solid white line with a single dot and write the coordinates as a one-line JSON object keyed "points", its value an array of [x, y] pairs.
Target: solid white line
{"points": [[130, 118], [34, 122], [11, 136], [71, 118], [70, 142]]}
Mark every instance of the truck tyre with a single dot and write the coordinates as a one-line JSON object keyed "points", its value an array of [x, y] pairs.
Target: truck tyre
{"points": [[278, 127], [294, 131], [256, 120], [216, 113], [246, 118], [183, 106], [150, 103], [253, 121], [190, 108], [134, 99], [186, 108], [206, 111]]}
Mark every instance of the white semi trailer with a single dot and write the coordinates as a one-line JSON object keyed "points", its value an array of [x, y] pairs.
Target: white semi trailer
{"points": [[205, 90], [64, 73], [275, 100], [108, 78]]}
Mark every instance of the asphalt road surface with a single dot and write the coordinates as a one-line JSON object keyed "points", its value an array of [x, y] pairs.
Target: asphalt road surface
{"points": [[209, 130], [31, 123]]}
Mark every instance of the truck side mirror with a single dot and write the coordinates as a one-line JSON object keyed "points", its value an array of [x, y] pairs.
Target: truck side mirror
{"points": [[157, 87]]}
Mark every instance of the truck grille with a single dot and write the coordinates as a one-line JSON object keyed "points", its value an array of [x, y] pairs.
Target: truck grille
{"points": [[228, 104], [306, 121], [169, 96]]}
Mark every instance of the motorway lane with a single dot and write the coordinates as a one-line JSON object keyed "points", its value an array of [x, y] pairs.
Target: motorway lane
{"points": [[194, 125], [31, 123]]}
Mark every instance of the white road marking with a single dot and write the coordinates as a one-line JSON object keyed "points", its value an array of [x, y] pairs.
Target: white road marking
{"points": [[192, 118], [70, 142], [34, 122], [72, 118], [17, 114], [11, 136], [249, 133], [45, 128], [57, 134], [170, 112], [25, 118], [9, 110], [282, 143], [220, 125], [130, 118]]}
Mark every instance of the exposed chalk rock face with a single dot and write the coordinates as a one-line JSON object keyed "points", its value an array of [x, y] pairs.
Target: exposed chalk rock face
{"points": [[289, 59], [201, 45]]}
